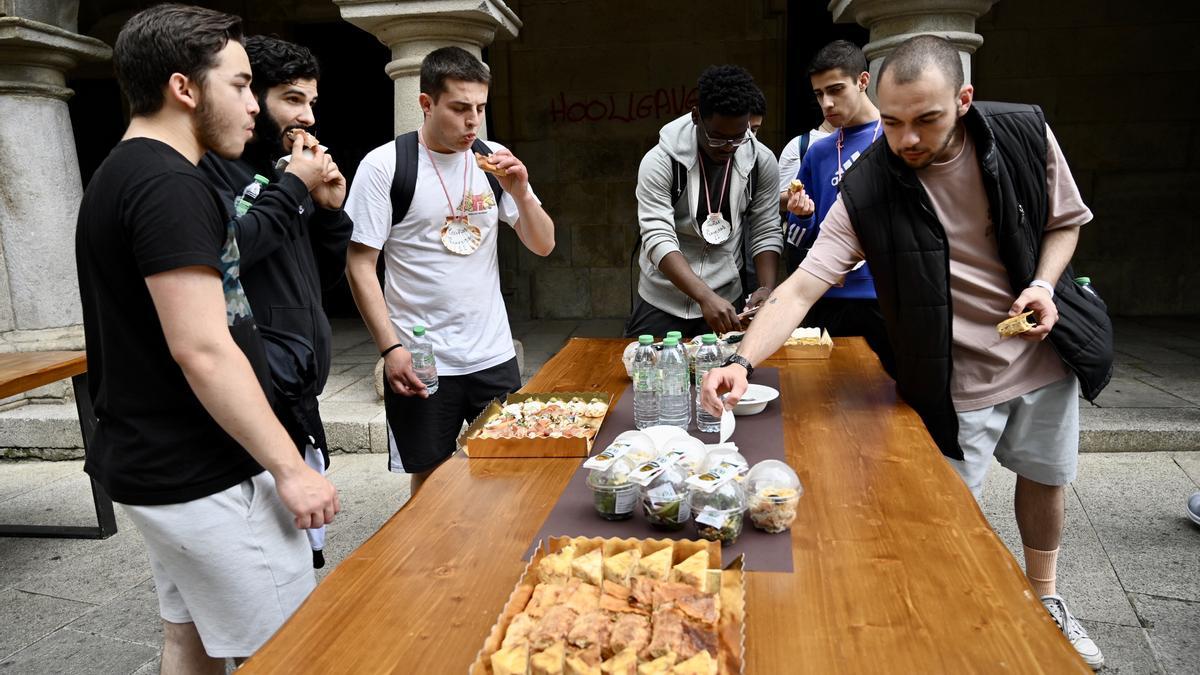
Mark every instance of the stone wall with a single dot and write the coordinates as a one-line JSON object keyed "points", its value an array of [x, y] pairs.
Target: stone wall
{"points": [[580, 96], [1117, 81]]}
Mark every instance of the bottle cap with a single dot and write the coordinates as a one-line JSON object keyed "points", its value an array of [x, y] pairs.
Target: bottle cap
{"points": [[1083, 281], [645, 339], [418, 331], [709, 339], [675, 334], [261, 179], [670, 341]]}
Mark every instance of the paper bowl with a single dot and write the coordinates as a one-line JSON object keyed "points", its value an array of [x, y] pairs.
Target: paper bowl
{"points": [[755, 400]]}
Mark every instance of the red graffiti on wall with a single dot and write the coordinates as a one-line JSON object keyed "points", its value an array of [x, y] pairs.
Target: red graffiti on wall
{"points": [[623, 107]]}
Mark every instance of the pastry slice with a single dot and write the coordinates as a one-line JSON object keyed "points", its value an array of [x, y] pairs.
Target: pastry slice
{"points": [[518, 630], [589, 567], [693, 571], [556, 567], [701, 664], [624, 663], [580, 597], [544, 597], [618, 568], [657, 565], [660, 666], [1016, 325], [550, 661], [583, 662], [630, 631], [511, 661]]}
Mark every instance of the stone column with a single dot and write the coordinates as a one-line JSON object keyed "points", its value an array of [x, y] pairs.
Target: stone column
{"points": [[413, 28], [894, 21], [40, 187]]}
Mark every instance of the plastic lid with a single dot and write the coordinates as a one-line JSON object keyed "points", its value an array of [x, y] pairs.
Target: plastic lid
{"points": [[418, 330], [1083, 280], [615, 476], [675, 334], [645, 339], [772, 475], [261, 178], [709, 339], [729, 497], [670, 341]]}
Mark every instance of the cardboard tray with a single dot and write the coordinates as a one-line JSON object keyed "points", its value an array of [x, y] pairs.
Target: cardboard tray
{"points": [[821, 350], [529, 447], [731, 627]]}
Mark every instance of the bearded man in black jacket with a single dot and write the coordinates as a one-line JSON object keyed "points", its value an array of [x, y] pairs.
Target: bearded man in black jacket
{"points": [[292, 238]]}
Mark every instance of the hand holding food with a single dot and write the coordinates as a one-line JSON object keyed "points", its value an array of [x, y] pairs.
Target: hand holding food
{"points": [[485, 164]]}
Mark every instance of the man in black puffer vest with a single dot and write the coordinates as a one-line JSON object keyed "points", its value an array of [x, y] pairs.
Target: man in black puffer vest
{"points": [[967, 214]]}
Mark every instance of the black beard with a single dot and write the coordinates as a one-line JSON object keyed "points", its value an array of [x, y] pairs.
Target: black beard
{"points": [[267, 144]]}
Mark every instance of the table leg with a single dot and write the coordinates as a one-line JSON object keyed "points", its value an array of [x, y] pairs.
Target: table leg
{"points": [[106, 521]]}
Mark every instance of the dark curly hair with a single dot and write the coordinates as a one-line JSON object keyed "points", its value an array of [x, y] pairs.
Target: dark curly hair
{"points": [[167, 39], [275, 62], [726, 90], [760, 103]]}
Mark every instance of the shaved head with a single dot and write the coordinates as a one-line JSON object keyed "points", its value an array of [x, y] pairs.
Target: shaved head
{"points": [[917, 55]]}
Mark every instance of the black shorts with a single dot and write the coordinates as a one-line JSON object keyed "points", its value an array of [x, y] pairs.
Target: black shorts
{"points": [[422, 432], [647, 319]]}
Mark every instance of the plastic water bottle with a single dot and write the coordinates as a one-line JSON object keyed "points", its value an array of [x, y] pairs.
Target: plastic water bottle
{"points": [[242, 203], [646, 383], [424, 365], [675, 401], [1086, 284], [707, 358]]}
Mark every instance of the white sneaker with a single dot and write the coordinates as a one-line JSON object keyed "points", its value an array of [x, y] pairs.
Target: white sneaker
{"points": [[1071, 627]]}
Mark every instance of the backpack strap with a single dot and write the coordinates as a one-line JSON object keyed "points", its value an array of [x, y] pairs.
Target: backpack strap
{"points": [[404, 178], [484, 149], [804, 138]]}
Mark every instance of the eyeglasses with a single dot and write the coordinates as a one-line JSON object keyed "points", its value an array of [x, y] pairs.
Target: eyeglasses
{"points": [[722, 142]]}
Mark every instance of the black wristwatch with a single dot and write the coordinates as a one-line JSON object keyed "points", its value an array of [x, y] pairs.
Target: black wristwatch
{"points": [[741, 361]]}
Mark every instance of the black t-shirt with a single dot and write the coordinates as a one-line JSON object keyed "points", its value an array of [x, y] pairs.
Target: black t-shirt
{"points": [[149, 210]]}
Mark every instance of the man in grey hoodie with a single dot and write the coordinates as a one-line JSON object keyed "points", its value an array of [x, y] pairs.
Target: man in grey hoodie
{"points": [[704, 182]]}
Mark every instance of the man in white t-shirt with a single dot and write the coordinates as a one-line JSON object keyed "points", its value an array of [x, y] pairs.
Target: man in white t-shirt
{"points": [[968, 215], [441, 266]]}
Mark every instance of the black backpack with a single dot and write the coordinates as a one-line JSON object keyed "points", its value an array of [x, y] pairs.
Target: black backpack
{"points": [[678, 188], [404, 179]]}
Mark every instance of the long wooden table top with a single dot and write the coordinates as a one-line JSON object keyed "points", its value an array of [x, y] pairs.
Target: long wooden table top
{"points": [[22, 371], [896, 568]]}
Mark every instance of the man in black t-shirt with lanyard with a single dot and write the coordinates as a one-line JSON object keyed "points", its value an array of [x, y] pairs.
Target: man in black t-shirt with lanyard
{"points": [[184, 430]]}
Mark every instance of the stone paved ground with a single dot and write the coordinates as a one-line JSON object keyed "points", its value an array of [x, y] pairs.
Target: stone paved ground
{"points": [[1130, 565]]}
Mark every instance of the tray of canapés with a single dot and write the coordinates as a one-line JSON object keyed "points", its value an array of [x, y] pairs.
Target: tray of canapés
{"points": [[592, 606], [673, 479], [555, 424]]}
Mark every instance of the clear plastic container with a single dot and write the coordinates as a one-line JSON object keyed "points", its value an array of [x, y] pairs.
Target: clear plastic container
{"points": [[613, 495], [772, 493], [694, 453], [666, 500], [726, 452], [718, 514], [644, 448]]}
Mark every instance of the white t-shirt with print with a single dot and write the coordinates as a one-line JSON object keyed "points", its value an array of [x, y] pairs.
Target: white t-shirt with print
{"points": [[457, 298]]}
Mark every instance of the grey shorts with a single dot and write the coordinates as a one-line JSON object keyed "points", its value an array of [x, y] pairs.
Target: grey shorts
{"points": [[233, 563], [1035, 435]]}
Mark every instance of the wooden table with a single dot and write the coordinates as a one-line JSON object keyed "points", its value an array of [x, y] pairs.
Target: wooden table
{"points": [[896, 568], [23, 371]]}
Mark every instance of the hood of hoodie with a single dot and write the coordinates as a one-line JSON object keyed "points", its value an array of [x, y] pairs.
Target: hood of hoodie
{"points": [[678, 139]]}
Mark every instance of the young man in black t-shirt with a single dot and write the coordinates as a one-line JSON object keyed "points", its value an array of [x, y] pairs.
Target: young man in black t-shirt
{"points": [[184, 429]]}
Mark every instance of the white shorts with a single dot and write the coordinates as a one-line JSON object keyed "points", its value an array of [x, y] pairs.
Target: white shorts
{"points": [[233, 563], [1035, 435]]}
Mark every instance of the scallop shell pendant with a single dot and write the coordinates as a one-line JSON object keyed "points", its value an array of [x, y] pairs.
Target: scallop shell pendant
{"points": [[716, 229], [460, 236]]}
